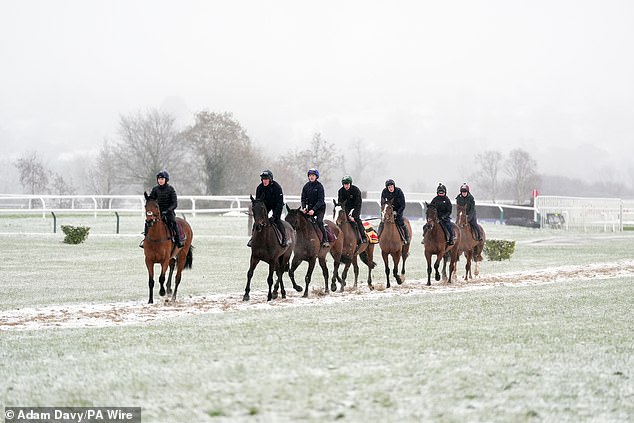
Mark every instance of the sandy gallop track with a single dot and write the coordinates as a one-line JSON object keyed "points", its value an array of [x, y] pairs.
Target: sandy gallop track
{"points": [[135, 312]]}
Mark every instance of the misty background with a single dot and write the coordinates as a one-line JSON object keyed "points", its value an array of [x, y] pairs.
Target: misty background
{"points": [[417, 90]]}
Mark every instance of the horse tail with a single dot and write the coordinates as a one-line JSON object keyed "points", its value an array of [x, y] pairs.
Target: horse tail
{"points": [[190, 258], [364, 258]]}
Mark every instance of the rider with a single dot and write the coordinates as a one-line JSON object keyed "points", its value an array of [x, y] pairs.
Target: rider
{"points": [[466, 199], [271, 192], [314, 202], [165, 196], [350, 197], [443, 205], [392, 192]]}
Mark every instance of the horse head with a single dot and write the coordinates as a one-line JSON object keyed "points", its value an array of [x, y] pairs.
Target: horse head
{"points": [[387, 214], [293, 216], [461, 216], [339, 213], [431, 216], [260, 215], [152, 210]]}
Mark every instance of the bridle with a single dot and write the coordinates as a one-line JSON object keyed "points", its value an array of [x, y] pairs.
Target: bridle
{"points": [[387, 217], [260, 222]]}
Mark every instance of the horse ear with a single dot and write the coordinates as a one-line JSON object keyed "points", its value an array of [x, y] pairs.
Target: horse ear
{"points": [[252, 199], [426, 203], [287, 208], [147, 197], [334, 202]]}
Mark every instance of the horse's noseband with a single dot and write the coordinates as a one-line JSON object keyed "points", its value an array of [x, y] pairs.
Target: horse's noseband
{"points": [[151, 218]]}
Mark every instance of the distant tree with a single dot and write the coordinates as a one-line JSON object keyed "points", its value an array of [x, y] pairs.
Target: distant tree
{"points": [[322, 155], [148, 142], [33, 173], [101, 176], [60, 186], [222, 151], [521, 169], [487, 177]]}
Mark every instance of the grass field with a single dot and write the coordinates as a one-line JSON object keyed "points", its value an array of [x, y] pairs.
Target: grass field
{"points": [[559, 351]]}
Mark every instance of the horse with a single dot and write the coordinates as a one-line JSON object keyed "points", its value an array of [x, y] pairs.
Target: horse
{"points": [[436, 244], [468, 245], [158, 247], [351, 249], [392, 244], [308, 246], [266, 247]]}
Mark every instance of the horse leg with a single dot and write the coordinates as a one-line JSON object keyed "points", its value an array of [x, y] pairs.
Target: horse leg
{"points": [[280, 274], [169, 276], [324, 270], [404, 257], [335, 277], [445, 259], [269, 280], [309, 273], [467, 266], [162, 278], [387, 267], [291, 272], [150, 271], [179, 271], [397, 258], [247, 289], [436, 266]]}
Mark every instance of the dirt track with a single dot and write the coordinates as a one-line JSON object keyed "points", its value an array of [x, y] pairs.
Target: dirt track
{"points": [[135, 312]]}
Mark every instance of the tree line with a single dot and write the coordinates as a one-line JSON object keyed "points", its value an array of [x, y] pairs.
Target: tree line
{"points": [[215, 156]]}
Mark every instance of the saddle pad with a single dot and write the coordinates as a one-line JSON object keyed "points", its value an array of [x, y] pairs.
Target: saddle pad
{"points": [[371, 233]]}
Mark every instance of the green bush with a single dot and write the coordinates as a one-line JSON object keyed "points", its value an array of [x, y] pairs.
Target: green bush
{"points": [[499, 249], [75, 234]]}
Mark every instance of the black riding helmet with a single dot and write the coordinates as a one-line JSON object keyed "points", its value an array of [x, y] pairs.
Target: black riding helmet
{"points": [[266, 174], [163, 174], [441, 188], [389, 182]]}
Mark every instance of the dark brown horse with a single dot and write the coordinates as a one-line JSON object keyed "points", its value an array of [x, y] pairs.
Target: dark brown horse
{"points": [[351, 249], [392, 244], [436, 244], [308, 246], [159, 248], [266, 247], [469, 245]]}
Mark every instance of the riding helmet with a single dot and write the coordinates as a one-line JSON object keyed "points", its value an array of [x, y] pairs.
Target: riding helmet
{"points": [[266, 174], [346, 180], [389, 182], [464, 187], [313, 171], [163, 174], [441, 188]]}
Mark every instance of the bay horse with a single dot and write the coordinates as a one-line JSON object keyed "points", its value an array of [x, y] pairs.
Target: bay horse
{"points": [[468, 245], [351, 249], [158, 247], [308, 246], [266, 247], [435, 243], [391, 243]]}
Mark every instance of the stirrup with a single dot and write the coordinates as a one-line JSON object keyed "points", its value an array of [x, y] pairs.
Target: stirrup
{"points": [[141, 244]]}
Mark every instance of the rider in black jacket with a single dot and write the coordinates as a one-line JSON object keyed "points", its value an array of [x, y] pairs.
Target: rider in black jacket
{"points": [[314, 202], [271, 193], [394, 193], [443, 205], [165, 196], [350, 197]]}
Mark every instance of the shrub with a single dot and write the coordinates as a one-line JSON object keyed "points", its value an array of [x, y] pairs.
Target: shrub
{"points": [[75, 234], [499, 249]]}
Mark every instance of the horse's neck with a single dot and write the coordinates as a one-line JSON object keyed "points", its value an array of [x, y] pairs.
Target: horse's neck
{"points": [[159, 228]]}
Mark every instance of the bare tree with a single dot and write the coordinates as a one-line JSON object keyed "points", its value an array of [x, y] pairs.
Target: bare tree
{"points": [[487, 178], [148, 142], [33, 174], [521, 169], [322, 155], [222, 151]]}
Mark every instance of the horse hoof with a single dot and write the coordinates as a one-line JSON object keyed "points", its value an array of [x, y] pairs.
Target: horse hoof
{"points": [[333, 287], [284, 295], [437, 277], [274, 295], [162, 292], [246, 297], [371, 287], [298, 288], [428, 283]]}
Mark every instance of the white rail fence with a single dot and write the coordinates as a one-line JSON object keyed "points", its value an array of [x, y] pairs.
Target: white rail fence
{"points": [[555, 212]]}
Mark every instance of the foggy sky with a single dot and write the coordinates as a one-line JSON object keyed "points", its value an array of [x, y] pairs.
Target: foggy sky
{"points": [[423, 77]]}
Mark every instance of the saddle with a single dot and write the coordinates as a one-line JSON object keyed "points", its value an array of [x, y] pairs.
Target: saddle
{"points": [[277, 232], [329, 231]]}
